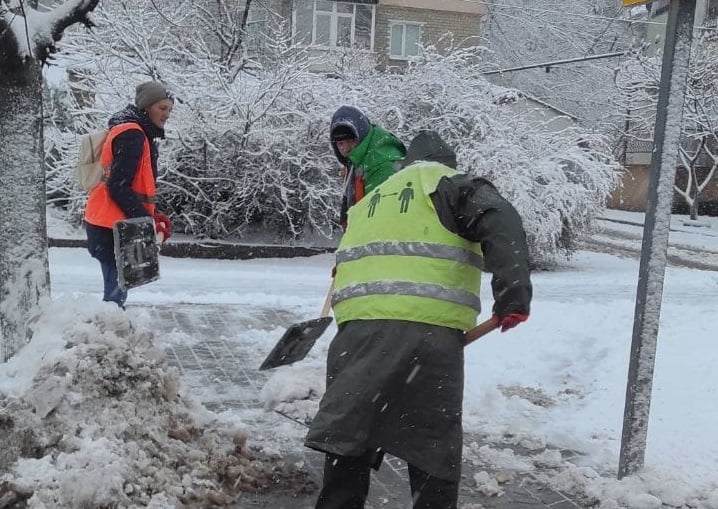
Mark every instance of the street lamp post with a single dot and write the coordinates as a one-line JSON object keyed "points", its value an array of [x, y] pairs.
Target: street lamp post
{"points": [[676, 59]]}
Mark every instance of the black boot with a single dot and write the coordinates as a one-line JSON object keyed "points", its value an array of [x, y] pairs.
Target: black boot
{"points": [[429, 492], [346, 482]]}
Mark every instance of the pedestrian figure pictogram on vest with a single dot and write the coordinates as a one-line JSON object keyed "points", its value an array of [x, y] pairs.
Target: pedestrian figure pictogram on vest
{"points": [[375, 199], [406, 195]]}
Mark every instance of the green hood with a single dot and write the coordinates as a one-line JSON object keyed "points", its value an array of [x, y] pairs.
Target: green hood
{"points": [[375, 156]]}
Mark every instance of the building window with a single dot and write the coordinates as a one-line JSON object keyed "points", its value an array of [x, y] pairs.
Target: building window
{"points": [[334, 24], [404, 39], [711, 13]]}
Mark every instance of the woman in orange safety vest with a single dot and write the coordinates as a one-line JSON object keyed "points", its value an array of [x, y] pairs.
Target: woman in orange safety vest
{"points": [[127, 189]]}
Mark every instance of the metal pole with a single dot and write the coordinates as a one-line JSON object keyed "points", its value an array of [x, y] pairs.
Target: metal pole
{"points": [[676, 58]]}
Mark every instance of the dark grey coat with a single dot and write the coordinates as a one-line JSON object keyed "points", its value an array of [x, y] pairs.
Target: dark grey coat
{"points": [[396, 386]]}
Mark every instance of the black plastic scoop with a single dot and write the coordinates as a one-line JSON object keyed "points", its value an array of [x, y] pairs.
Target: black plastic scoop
{"points": [[300, 337]]}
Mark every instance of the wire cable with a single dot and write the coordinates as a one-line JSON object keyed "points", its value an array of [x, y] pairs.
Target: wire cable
{"points": [[598, 38]]}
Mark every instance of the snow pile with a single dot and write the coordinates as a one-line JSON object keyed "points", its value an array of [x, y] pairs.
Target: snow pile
{"points": [[92, 416], [647, 490], [297, 401], [487, 485]]}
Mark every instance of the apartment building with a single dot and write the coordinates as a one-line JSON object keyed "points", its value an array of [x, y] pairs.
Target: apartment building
{"points": [[387, 33]]}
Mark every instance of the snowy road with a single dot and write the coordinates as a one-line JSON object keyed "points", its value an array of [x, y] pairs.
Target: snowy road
{"points": [[559, 379], [694, 247]]}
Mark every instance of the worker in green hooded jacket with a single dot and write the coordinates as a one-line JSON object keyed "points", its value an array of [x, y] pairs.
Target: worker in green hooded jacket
{"points": [[367, 151]]}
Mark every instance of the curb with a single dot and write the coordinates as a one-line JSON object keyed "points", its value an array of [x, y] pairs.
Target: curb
{"points": [[216, 250], [677, 256]]}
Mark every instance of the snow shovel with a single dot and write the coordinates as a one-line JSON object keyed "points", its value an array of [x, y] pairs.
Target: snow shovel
{"points": [[296, 342], [136, 252], [300, 337], [479, 331]]}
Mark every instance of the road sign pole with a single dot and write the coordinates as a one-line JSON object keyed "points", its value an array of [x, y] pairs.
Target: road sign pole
{"points": [[669, 115]]}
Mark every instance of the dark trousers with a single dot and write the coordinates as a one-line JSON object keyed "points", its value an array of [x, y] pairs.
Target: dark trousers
{"points": [[112, 292], [346, 485], [101, 245]]}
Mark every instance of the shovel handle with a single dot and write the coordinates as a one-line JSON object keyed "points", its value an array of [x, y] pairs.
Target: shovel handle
{"points": [[480, 330], [327, 301]]}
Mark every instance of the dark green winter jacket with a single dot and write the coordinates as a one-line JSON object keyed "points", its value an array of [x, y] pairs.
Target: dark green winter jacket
{"points": [[373, 159]]}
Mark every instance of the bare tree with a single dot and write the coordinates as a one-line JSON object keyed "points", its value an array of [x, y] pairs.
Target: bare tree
{"points": [[227, 23], [530, 32], [638, 80], [699, 149], [27, 38]]}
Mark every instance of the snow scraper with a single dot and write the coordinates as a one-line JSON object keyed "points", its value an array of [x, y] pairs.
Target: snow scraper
{"points": [[136, 252], [299, 338]]}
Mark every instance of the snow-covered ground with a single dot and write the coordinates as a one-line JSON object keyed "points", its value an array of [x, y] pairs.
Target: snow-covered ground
{"points": [[701, 233], [559, 379]]}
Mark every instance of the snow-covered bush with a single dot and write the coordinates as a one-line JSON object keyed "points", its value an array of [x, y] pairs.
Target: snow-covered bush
{"points": [[245, 147], [558, 180], [248, 141]]}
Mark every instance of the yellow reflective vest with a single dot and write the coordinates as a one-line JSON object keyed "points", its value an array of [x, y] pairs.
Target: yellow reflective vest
{"points": [[397, 261]]}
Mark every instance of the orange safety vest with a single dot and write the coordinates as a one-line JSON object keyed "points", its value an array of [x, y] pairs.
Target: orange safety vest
{"points": [[358, 188], [101, 209]]}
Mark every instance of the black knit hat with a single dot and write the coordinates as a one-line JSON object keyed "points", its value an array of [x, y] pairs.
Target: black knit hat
{"points": [[428, 146], [343, 132]]}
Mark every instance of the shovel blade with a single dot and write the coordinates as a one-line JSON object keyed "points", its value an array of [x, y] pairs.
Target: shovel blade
{"points": [[296, 342]]}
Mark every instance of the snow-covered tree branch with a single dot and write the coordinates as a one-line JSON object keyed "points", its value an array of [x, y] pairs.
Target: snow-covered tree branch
{"points": [[251, 152], [523, 33], [28, 33]]}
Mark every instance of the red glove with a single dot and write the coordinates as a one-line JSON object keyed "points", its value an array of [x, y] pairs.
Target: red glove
{"points": [[163, 225], [509, 321]]}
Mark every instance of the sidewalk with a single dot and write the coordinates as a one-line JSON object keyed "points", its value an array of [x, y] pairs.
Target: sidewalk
{"points": [[689, 245], [218, 367]]}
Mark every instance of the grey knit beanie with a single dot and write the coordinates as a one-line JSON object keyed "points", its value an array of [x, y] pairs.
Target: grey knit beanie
{"points": [[148, 93]]}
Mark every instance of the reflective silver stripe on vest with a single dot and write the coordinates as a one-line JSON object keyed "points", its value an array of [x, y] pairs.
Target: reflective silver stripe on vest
{"points": [[439, 292], [424, 249]]}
